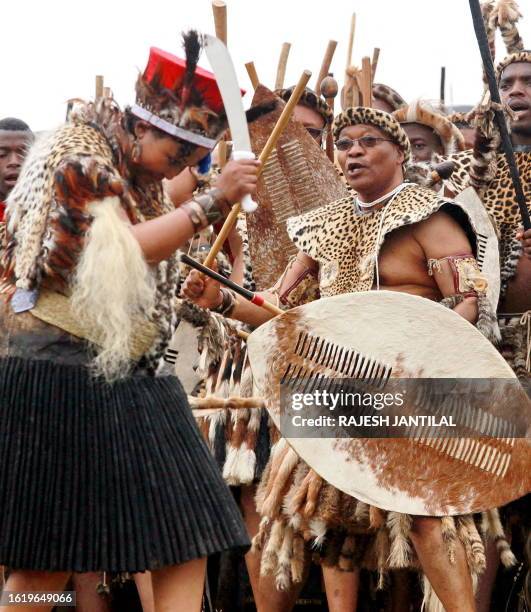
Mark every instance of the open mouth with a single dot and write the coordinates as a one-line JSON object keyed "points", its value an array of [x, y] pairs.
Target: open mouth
{"points": [[519, 107], [354, 168], [11, 179]]}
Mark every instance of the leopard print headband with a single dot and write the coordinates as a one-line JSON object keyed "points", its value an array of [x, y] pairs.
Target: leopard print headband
{"points": [[309, 99], [362, 115], [520, 56], [389, 95]]}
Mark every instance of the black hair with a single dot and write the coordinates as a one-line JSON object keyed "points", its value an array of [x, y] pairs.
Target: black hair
{"points": [[12, 124]]}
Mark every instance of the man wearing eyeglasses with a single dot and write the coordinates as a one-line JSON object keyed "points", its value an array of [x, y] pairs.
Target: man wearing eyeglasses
{"points": [[390, 235]]}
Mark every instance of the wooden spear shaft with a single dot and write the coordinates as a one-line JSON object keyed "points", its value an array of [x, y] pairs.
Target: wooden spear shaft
{"points": [[329, 90], [264, 155], [99, 87], [374, 63], [219, 9], [351, 41], [325, 65], [366, 86], [282, 64], [251, 71]]}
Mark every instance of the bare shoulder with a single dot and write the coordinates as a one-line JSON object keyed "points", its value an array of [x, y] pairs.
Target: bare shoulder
{"points": [[441, 235]]}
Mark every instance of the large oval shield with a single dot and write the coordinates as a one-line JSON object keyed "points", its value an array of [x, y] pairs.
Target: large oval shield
{"points": [[390, 339]]}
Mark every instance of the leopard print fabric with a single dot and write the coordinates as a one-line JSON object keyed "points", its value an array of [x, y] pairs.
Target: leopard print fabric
{"points": [[361, 115], [500, 201], [520, 56], [47, 216], [348, 265]]}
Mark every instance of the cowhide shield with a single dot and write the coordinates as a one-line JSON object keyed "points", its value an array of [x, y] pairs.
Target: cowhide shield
{"points": [[399, 336], [297, 177], [488, 254]]}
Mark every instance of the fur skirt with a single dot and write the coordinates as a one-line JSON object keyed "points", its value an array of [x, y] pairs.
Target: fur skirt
{"points": [[105, 477], [298, 508]]}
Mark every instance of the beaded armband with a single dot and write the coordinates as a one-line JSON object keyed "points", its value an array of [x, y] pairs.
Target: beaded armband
{"points": [[468, 278], [302, 289], [205, 208]]}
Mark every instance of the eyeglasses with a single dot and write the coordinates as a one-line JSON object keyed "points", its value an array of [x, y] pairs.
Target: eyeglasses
{"points": [[316, 133], [365, 142]]}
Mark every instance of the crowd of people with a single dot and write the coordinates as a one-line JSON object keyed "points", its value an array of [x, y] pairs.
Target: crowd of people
{"points": [[133, 446]]}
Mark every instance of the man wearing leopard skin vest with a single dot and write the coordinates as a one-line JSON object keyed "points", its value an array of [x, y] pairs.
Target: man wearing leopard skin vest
{"points": [[418, 245]]}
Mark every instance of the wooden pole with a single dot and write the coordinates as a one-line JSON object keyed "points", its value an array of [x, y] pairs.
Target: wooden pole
{"points": [[374, 63], [351, 41], [219, 9], [443, 83], [325, 65], [347, 95], [366, 81], [282, 63], [99, 87], [329, 89], [264, 155], [251, 71]]}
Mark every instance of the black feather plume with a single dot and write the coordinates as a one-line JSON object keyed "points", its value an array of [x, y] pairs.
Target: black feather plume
{"points": [[192, 49]]}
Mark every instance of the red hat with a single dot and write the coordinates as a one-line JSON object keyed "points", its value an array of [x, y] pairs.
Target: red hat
{"points": [[170, 69], [179, 98]]}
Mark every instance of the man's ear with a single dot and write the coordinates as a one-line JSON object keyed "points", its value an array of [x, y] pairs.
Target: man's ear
{"points": [[401, 156], [141, 127]]}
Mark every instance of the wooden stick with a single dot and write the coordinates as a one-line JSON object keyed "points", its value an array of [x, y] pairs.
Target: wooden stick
{"points": [[264, 155], [374, 63], [351, 41], [329, 89], [213, 403], [99, 87], [366, 82], [287, 111], [443, 85], [251, 71], [219, 8], [282, 63], [222, 153], [107, 92], [356, 92], [325, 65]]}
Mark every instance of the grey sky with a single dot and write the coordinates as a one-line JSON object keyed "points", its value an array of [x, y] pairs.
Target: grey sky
{"points": [[52, 49]]}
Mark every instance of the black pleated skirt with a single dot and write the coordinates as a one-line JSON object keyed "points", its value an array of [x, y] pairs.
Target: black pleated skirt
{"points": [[105, 477]]}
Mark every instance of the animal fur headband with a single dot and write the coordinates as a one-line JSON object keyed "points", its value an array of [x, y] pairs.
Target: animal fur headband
{"points": [[362, 115], [389, 95], [521, 56], [311, 100], [418, 112], [180, 98]]}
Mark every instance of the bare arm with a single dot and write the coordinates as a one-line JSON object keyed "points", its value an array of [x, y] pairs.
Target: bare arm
{"points": [[443, 240], [181, 188], [161, 237], [206, 292]]}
